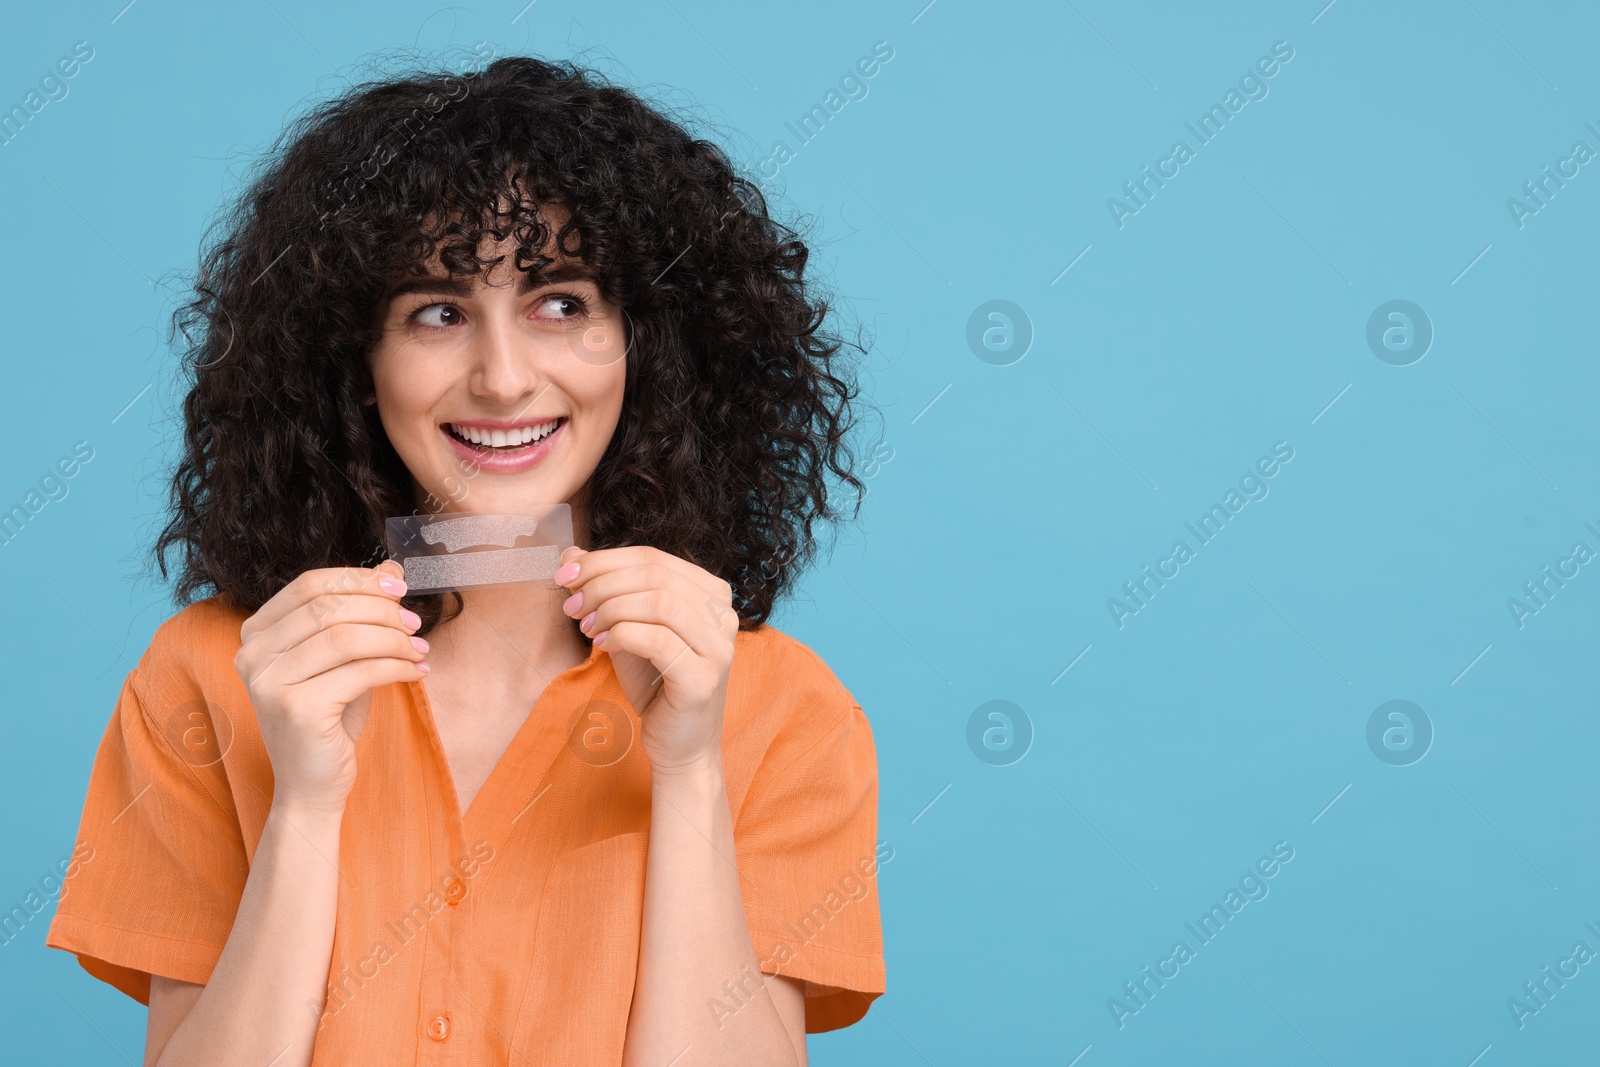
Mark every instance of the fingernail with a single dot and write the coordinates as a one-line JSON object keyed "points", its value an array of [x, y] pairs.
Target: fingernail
{"points": [[566, 573], [573, 603], [419, 644], [588, 621], [410, 618], [600, 638], [422, 665], [392, 586]]}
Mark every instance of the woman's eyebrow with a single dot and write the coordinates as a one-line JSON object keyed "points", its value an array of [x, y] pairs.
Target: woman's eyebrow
{"points": [[561, 272], [444, 285]]}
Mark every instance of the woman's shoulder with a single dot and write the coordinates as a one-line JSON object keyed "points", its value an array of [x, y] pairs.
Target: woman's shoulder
{"points": [[191, 651], [209, 620], [208, 626], [783, 697], [775, 663]]}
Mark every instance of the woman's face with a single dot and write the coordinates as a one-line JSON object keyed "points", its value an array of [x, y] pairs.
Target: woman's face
{"points": [[500, 396]]}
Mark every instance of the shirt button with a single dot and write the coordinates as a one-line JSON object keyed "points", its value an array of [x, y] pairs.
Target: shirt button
{"points": [[439, 1027], [454, 890]]}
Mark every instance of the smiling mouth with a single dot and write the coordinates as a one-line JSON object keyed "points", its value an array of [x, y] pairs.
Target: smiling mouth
{"points": [[517, 440]]}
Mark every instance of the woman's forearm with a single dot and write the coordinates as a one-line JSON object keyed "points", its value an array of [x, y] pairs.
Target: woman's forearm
{"points": [[267, 991], [695, 940]]}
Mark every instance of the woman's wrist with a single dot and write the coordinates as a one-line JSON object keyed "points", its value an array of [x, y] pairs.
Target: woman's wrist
{"points": [[313, 820], [703, 771]]}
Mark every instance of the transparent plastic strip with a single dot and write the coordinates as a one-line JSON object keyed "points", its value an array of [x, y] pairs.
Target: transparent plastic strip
{"points": [[457, 551], [427, 574]]}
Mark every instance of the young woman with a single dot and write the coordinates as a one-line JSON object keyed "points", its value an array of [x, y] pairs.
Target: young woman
{"points": [[614, 818]]}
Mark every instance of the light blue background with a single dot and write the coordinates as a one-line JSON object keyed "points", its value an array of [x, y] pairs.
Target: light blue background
{"points": [[1227, 315]]}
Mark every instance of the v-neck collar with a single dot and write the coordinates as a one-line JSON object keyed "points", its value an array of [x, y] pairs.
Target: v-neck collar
{"points": [[535, 746]]}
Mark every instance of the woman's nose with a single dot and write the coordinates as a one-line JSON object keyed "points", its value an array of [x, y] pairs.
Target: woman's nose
{"points": [[505, 367]]}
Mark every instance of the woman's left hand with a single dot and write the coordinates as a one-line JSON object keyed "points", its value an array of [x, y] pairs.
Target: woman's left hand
{"points": [[669, 627]]}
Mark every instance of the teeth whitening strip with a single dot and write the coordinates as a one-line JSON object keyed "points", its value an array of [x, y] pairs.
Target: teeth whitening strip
{"points": [[443, 552], [456, 534]]}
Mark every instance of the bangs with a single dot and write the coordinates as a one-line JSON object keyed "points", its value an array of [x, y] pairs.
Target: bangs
{"points": [[460, 182]]}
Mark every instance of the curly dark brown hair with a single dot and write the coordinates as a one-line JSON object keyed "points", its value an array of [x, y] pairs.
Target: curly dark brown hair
{"points": [[738, 403]]}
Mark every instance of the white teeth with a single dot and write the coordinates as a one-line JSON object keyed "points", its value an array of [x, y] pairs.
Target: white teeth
{"points": [[505, 438]]}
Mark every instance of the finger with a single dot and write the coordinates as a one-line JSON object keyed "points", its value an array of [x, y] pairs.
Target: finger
{"points": [[683, 618], [339, 644], [591, 564], [317, 614], [327, 580], [329, 609], [667, 653], [603, 587], [346, 683]]}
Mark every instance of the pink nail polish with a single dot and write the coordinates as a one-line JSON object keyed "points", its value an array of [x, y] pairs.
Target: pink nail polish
{"points": [[392, 586], [600, 638], [588, 621], [566, 573], [573, 603], [419, 644], [410, 618]]}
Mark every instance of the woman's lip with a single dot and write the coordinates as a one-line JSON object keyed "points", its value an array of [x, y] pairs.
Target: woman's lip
{"points": [[504, 462]]}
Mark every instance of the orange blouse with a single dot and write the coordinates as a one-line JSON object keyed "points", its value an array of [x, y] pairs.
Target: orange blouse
{"points": [[513, 933]]}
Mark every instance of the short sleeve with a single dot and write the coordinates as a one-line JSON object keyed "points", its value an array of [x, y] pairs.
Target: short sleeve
{"points": [[160, 860], [808, 856]]}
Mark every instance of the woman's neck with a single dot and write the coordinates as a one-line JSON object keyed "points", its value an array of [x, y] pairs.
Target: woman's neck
{"points": [[513, 636]]}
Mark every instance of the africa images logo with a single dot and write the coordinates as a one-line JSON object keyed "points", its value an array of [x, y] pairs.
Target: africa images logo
{"points": [[1205, 129]]}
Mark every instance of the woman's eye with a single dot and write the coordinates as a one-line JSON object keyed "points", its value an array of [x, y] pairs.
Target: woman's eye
{"points": [[561, 306], [437, 315]]}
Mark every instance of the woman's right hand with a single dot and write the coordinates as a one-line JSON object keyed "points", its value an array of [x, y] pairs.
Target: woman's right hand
{"points": [[310, 659]]}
